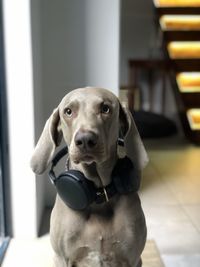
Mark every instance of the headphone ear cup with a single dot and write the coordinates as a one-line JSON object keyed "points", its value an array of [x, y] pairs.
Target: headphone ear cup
{"points": [[75, 190], [125, 176]]}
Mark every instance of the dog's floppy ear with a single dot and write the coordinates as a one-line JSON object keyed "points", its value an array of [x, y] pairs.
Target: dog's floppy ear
{"points": [[50, 138], [133, 145]]}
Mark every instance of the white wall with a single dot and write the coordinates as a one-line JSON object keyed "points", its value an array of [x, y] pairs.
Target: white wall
{"points": [[19, 82], [79, 47], [102, 43], [63, 49]]}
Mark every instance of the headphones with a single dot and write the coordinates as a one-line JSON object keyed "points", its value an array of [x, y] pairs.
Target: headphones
{"points": [[79, 193]]}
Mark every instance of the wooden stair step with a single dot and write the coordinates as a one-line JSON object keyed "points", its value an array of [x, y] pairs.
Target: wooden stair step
{"points": [[193, 116], [184, 50], [180, 27], [177, 3], [188, 82], [187, 7], [180, 22], [190, 125]]}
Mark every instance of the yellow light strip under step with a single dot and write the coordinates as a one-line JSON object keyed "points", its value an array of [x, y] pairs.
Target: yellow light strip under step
{"points": [[180, 22], [177, 3], [181, 50], [188, 82], [193, 116]]}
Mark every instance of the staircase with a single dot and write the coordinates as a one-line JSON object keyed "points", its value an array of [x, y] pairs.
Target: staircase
{"points": [[179, 23]]}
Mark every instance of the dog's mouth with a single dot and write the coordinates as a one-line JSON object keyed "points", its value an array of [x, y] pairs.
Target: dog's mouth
{"points": [[87, 157]]}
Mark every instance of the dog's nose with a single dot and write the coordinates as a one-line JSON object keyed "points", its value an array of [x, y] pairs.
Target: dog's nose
{"points": [[86, 140]]}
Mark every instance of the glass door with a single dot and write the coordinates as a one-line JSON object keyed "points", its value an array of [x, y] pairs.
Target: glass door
{"points": [[5, 221]]}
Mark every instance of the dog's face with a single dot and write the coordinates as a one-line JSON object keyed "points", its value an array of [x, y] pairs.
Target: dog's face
{"points": [[90, 120], [90, 124]]}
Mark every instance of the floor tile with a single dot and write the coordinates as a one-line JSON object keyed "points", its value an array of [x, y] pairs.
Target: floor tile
{"points": [[175, 238], [164, 215], [31, 253], [150, 255], [184, 189], [181, 260], [193, 211], [154, 190]]}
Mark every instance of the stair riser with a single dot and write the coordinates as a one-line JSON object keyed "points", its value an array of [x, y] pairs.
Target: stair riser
{"points": [[181, 36], [177, 11], [191, 100]]}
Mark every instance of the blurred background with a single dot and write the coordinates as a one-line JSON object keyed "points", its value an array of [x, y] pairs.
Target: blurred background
{"points": [[146, 52]]}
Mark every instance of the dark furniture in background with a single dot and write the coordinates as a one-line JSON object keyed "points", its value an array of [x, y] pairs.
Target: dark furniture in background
{"points": [[149, 123]]}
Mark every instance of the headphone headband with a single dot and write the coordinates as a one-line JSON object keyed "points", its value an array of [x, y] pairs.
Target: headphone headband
{"points": [[59, 155]]}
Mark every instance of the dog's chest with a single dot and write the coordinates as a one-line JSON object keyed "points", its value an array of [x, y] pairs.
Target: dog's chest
{"points": [[105, 237], [100, 237]]}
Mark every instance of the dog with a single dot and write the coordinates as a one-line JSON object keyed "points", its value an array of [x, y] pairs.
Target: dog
{"points": [[111, 234]]}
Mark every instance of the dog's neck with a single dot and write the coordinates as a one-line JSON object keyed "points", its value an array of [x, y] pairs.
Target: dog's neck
{"points": [[99, 173]]}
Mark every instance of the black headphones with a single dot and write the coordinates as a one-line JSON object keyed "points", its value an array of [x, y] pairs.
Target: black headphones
{"points": [[78, 192]]}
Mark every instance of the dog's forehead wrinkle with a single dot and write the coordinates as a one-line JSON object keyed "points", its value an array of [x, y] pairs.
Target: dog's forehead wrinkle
{"points": [[89, 95]]}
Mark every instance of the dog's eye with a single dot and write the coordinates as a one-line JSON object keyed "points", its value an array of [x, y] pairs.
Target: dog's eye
{"points": [[105, 109], [68, 112]]}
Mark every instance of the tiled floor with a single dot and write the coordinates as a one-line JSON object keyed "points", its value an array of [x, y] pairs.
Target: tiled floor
{"points": [[29, 253], [170, 196]]}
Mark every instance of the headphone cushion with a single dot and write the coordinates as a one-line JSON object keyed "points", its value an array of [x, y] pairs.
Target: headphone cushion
{"points": [[75, 190], [125, 176]]}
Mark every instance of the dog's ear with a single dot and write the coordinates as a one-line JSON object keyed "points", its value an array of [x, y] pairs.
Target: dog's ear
{"points": [[50, 138], [133, 145]]}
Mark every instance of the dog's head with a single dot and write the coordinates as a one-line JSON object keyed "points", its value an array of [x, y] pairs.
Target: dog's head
{"points": [[89, 120]]}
